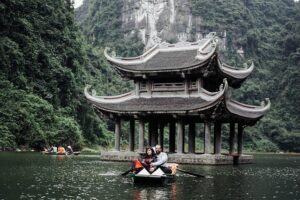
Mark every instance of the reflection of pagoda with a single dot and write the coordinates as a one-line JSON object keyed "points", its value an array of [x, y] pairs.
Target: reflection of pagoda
{"points": [[181, 84]]}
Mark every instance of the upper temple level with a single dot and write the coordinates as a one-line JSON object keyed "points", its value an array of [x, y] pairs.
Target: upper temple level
{"points": [[180, 61]]}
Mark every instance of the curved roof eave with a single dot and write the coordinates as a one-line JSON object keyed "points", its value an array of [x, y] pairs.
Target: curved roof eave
{"points": [[204, 52], [248, 111], [211, 99], [108, 99], [234, 72]]}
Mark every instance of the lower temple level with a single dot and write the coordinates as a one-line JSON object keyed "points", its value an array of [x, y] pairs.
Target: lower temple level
{"points": [[186, 158]]}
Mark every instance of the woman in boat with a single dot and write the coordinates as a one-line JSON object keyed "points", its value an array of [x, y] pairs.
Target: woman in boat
{"points": [[149, 158], [139, 164], [61, 150]]}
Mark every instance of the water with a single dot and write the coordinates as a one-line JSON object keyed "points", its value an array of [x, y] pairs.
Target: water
{"points": [[37, 176]]}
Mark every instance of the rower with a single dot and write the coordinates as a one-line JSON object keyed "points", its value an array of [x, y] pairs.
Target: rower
{"points": [[161, 160]]}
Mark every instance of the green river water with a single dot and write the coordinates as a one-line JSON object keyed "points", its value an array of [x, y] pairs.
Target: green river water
{"points": [[37, 176]]}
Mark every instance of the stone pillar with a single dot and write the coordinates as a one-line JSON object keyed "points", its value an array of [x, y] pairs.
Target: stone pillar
{"points": [[186, 87], [172, 137], [217, 138], [137, 88], [154, 134], [240, 139], [207, 141], [199, 85], [161, 135], [149, 88], [180, 137], [231, 138], [131, 135], [117, 134], [192, 129], [150, 131], [141, 135]]}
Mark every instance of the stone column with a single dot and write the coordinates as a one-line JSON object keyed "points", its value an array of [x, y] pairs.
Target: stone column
{"points": [[117, 134], [149, 88], [154, 134], [137, 88], [231, 138], [186, 87], [141, 135], [161, 135], [240, 139], [192, 129], [207, 141], [150, 131], [199, 85], [131, 135], [217, 138], [172, 137], [180, 137]]}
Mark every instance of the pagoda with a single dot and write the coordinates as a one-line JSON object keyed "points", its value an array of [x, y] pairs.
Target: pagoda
{"points": [[176, 87]]}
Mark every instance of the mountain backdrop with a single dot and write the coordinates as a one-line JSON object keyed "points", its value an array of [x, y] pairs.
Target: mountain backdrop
{"points": [[48, 53]]}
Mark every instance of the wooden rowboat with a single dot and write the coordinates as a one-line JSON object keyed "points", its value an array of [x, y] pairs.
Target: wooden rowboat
{"points": [[156, 177]]}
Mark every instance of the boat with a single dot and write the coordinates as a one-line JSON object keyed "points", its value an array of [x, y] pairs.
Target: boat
{"points": [[61, 154], [156, 177]]}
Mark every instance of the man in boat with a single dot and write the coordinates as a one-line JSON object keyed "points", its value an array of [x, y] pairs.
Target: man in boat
{"points": [[161, 160], [69, 150]]}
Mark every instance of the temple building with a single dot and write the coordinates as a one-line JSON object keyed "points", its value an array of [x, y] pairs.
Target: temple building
{"points": [[178, 86]]}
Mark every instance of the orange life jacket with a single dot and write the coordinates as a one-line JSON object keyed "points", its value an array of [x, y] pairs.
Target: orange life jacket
{"points": [[137, 164]]}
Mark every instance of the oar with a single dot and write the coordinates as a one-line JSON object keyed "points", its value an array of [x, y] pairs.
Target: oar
{"points": [[125, 173], [190, 173]]}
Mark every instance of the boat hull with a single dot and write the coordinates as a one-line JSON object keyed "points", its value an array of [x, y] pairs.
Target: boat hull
{"points": [[152, 180]]}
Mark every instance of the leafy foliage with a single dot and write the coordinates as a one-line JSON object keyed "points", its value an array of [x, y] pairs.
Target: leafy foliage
{"points": [[268, 31], [43, 59], [45, 64]]}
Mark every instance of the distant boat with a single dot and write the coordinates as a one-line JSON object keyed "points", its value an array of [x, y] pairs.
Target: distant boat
{"points": [[61, 154]]}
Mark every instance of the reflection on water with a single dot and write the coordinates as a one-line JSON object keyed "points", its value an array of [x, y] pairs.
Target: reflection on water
{"points": [[168, 191], [36, 176]]}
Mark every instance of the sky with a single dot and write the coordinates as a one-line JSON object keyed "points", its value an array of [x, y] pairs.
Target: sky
{"points": [[77, 3]]}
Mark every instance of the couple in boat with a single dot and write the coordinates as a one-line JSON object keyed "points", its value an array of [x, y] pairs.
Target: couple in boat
{"points": [[152, 160]]}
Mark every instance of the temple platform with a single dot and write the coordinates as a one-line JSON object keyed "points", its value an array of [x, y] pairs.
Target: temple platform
{"points": [[184, 158]]}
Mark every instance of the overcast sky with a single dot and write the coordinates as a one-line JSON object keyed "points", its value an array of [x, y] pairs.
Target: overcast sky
{"points": [[77, 3]]}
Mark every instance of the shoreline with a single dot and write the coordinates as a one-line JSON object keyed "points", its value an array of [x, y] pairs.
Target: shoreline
{"points": [[99, 152]]}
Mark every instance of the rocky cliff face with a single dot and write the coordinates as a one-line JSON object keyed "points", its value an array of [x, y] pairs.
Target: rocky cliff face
{"points": [[161, 20]]}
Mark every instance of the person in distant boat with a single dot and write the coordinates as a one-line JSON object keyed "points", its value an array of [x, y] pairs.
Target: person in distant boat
{"points": [[49, 150], [69, 150], [54, 149], [61, 150], [160, 161], [149, 158]]}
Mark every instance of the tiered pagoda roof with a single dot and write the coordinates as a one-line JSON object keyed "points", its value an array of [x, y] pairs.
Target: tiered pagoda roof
{"points": [[181, 59], [206, 103], [197, 60]]}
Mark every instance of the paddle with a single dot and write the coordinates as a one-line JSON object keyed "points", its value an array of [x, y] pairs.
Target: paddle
{"points": [[125, 173], [190, 173]]}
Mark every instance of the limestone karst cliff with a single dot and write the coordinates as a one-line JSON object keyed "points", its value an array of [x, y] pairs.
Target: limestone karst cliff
{"points": [[155, 21], [266, 32]]}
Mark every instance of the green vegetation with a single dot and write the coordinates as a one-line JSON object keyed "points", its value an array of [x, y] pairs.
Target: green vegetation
{"points": [[268, 31], [45, 63], [44, 68]]}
